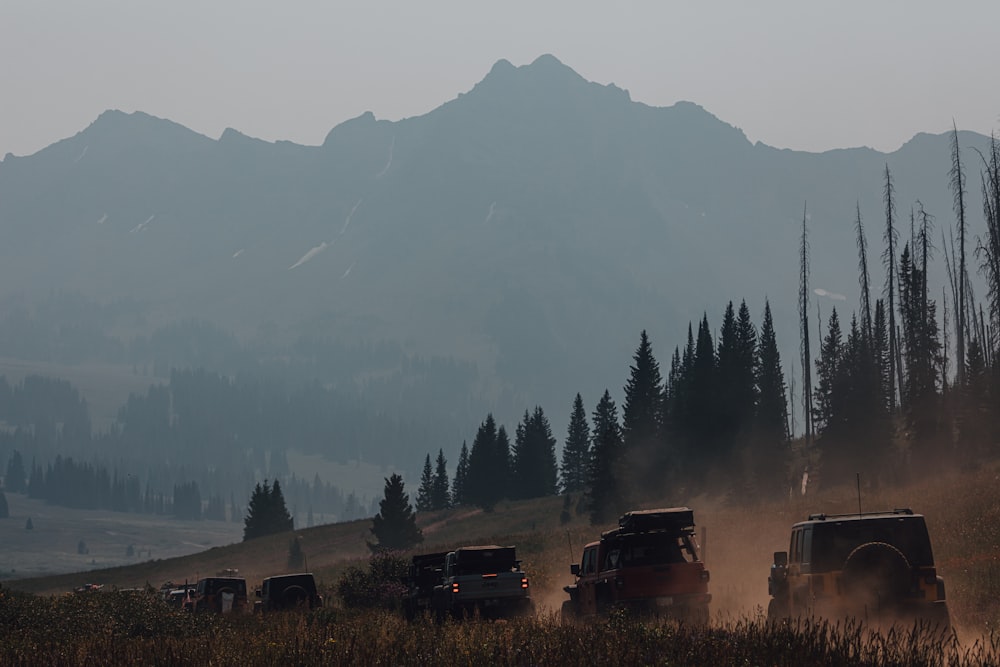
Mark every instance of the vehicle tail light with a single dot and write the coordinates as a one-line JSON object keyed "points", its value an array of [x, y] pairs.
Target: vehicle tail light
{"points": [[489, 576], [454, 587], [524, 582]]}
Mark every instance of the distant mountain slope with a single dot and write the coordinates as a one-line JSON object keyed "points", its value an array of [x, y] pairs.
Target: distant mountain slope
{"points": [[534, 224]]}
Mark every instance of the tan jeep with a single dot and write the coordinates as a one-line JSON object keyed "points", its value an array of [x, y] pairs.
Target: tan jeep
{"points": [[873, 565]]}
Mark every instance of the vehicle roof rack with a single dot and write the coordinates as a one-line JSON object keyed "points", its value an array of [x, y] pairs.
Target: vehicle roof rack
{"points": [[677, 519], [823, 517]]}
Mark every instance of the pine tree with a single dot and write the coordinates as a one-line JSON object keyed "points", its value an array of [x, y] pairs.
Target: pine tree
{"points": [[737, 382], [266, 512], [440, 493], [534, 470], [702, 407], [771, 424], [426, 490], [459, 490], [482, 482], [4, 509], [921, 347], [605, 488], [576, 450], [395, 525], [501, 466], [642, 419]]}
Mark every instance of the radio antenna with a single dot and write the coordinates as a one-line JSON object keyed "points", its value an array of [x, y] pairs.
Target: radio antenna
{"points": [[859, 494]]}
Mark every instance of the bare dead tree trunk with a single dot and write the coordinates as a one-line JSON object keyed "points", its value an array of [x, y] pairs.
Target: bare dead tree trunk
{"points": [[958, 190], [804, 334], [944, 333], [866, 303], [890, 237], [988, 248]]}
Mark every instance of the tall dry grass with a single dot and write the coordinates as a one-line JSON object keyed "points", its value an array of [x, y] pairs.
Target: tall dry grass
{"points": [[128, 629]]}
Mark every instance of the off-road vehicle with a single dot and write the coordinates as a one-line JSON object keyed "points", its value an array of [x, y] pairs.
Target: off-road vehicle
{"points": [[873, 565], [484, 580], [648, 565], [424, 573], [219, 594], [288, 591]]}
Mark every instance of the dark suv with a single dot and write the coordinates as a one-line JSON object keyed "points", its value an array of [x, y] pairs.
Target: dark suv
{"points": [[873, 565], [219, 594], [288, 591]]}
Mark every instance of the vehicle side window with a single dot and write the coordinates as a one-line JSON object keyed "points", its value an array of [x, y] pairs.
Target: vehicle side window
{"points": [[795, 554], [589, 561], [806, 545]]}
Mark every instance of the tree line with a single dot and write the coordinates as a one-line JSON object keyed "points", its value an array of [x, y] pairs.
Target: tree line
{"points": [[885, 399], [721, 407]]}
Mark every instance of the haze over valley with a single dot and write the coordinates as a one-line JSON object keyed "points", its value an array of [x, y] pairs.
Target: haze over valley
{"points": [[225, 309]]}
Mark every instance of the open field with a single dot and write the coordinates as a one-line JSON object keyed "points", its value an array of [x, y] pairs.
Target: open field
{"points": [[51, 546], [963, 515]]}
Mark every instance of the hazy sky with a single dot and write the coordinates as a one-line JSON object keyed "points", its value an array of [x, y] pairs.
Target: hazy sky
{"points": [[793, 74]]}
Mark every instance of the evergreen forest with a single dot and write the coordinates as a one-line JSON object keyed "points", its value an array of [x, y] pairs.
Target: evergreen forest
{"points": [[904, 385]]}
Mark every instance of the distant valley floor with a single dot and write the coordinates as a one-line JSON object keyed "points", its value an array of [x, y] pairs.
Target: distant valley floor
{"points": [[109, 539]]}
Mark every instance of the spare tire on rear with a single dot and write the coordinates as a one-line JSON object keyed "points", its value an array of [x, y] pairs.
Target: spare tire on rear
{"points": [[877, 573], [293, 596]]}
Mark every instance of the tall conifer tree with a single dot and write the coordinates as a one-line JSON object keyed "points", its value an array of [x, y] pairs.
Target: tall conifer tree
{"points": [[440, 493], [641, 418], [459, 489], [426, 490], [534, 471], [576, 450], [605, 488], [395, 525], [771, 424]]}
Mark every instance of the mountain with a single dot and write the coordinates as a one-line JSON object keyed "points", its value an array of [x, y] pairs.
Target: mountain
{"points": [[534, 225]]}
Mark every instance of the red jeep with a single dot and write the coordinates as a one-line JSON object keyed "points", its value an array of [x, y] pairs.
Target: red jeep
{"points": [[647, 565]]}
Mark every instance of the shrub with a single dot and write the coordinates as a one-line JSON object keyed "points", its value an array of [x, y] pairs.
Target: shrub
{"points": [[380, 585]]}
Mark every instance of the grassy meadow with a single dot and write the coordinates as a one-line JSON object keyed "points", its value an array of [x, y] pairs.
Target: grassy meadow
{"points": [[738, 539]]}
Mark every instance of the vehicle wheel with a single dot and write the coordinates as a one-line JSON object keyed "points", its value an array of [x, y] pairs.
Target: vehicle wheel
{"points": [[877, 574], [603, 600], [777, 611], [568, 613]]}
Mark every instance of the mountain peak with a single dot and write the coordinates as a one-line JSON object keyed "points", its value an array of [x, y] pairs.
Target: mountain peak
{"points": [[548, 62], [545, 68]]}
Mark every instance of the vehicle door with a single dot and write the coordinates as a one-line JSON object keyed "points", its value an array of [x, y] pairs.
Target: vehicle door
{"points": [[588, 581]]}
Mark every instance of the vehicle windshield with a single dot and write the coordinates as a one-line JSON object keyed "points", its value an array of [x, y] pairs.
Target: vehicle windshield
{"points": [[833, 541]]}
